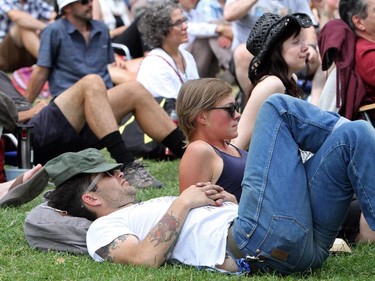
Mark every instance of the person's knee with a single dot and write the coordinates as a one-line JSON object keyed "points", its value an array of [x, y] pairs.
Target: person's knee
{"points": [[92, 83], [133, 93], [362, 129], [359, 135], [91, 79]]}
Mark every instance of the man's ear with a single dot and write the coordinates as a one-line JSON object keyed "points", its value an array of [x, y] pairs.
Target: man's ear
{"points": [[91, 199], [358, 23]]}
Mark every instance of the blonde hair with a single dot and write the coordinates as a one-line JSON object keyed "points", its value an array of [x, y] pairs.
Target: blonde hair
{"points": [[196, 96]]}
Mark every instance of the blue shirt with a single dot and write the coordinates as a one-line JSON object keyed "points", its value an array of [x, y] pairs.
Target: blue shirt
{"points": [[64, 51], [39, 9]]}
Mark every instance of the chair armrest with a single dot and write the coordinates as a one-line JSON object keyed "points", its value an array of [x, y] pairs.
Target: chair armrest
{"points": [[124, 48], [367, 107]]}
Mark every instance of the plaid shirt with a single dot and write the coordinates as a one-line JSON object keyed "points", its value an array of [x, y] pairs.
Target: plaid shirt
{"points": [[37, 8]]}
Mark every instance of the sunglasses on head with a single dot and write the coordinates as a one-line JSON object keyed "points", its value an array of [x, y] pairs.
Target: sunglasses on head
{"points": [[232, 108]]}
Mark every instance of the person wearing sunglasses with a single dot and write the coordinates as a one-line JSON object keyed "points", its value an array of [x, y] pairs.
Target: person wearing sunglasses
{"points": [[73, 46], [208, 116]]}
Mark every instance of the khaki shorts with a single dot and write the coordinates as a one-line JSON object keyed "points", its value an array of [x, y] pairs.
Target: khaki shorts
{"points": [[13, 57]]}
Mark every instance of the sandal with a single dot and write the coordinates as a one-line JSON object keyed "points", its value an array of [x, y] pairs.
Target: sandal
{"points": [[20, 193]]}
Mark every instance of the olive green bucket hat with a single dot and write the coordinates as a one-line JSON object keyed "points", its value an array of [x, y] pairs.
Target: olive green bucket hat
{"points": [[69, 164]]}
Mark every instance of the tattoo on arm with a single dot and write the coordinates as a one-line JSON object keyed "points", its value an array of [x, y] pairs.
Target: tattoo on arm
{"points": [[106, 251], [165, 231]]}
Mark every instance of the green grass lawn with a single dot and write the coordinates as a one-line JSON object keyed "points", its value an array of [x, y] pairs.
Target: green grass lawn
{"points": [[19, 262]]}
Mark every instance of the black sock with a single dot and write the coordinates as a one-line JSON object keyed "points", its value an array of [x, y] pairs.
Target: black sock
{"points": [[175, 142], [116, 147]]}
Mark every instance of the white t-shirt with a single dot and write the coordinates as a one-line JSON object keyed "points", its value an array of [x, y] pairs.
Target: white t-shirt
{"points": [[243, 26], [159, 74], [202, 239]]}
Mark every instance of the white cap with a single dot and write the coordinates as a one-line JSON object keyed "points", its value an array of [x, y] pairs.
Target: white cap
{"points": [[63, 3]]}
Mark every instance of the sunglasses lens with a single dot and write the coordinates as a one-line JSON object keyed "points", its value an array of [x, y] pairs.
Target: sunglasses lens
{"points": [[233, 108], [84, 2]]}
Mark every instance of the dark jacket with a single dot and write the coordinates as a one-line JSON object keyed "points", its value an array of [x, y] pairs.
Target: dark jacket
{"points": [[337, 44]]}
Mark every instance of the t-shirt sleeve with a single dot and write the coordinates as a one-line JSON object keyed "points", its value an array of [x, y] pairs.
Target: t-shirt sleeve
{"points": [[102, 232], [48, 47]]}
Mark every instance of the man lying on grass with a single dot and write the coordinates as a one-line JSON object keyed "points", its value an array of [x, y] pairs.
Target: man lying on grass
{"points": [[289, 213]]}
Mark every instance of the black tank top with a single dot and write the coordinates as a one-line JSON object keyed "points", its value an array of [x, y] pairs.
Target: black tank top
{"points": [[233, 171]]}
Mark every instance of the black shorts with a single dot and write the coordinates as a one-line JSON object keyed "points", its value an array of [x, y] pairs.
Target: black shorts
{"points": [[53, 135]]}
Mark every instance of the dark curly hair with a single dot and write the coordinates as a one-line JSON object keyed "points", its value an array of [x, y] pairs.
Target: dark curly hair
{"points": [[155, 22], [67, 196]]}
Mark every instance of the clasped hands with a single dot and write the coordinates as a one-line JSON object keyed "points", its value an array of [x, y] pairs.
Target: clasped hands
{"points": [[206, 193]]}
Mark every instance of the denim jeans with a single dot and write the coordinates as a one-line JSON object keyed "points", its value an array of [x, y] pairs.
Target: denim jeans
{"points": [[290, 212]]}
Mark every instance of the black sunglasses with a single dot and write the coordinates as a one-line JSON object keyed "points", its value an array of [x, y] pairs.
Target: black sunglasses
{"points": [[231, 109]]}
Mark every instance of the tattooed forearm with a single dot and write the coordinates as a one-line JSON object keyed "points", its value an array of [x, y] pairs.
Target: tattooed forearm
{"points": [[166, 230], [106, 251]]}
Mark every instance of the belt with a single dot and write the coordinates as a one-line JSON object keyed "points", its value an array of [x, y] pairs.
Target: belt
{"points": [[232, 245], [256, 263]]}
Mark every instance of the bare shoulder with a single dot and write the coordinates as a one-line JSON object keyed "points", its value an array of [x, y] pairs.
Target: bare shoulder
{"points": [[268, 86], [200, 147], [271, 82]]}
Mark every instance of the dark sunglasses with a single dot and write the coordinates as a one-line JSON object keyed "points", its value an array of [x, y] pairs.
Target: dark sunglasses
{"points": [[231, 109], [179, 22], [84, 2]]}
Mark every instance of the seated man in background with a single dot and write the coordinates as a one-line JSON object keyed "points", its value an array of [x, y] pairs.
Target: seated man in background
{"points": [[359, 15], [21, 22], [72, 47]]}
